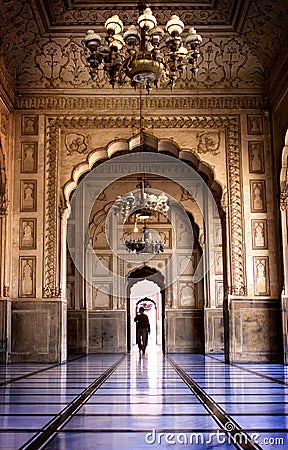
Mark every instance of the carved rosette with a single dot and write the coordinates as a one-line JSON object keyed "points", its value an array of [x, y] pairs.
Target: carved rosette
{"points": [[230, 124]]}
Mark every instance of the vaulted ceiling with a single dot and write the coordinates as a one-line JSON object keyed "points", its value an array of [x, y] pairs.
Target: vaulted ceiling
{"points": [[245, 42]]}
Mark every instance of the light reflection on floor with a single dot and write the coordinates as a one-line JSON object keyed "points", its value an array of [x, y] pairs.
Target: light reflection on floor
{"points": [[142, 401]]}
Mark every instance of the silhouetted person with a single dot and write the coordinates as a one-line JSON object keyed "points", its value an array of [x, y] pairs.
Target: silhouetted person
{"points": [[142, 329]]}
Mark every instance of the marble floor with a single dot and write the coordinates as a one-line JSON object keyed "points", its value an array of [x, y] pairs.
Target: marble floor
{"points": [[143, 401]]}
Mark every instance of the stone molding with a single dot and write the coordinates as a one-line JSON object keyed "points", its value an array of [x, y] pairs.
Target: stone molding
{"points": [[231, 125], [127, 103]]}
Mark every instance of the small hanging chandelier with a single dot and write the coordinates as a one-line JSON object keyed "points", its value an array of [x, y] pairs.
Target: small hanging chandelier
{"points": [[145, 55], [150, 242], [142, 207]]}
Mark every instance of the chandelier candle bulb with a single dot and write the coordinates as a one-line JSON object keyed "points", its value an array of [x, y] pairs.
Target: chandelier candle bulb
{"points": [[114, 25], [147, 21], [175, 26]]}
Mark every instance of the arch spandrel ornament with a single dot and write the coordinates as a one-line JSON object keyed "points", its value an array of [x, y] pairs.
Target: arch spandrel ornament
{"points": [[231, 126]]}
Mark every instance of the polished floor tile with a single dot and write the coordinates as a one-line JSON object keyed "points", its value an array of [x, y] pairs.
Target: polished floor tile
{"points": [[143, 403]]}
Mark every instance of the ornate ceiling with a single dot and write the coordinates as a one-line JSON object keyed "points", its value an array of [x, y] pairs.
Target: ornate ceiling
{"points": [[243, 40]]}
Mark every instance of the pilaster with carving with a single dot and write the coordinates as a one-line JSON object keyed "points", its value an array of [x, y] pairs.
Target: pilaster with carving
{"points": [[51, 288]]}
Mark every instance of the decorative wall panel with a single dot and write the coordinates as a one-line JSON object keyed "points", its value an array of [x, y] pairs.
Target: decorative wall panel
{"points": [[261, 275], [29, 125], [259, 234], [219, 293], [101, 265], [70, 294], [254, 124], [29, 156], [187, 294], [27, 239], [256, 156], [27, 267], [258, 196], [101, 296], [31, 331], [28, 195]]}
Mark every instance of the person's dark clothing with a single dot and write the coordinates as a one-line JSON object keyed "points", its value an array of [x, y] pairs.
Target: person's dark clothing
{"points": [[142, 330], [142, 321]]}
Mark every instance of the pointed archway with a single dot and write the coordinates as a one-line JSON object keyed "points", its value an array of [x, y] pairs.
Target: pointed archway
{"points": [[140, 274], [183, 300]]}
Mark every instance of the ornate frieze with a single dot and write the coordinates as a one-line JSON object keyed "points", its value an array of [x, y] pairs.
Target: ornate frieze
{"points": [[127, 103]]}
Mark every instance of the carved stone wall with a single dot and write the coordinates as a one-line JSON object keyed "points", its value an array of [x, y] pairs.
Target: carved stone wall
{"points": [[233, 142], [229, 124], [50, 52], [239, 99]]}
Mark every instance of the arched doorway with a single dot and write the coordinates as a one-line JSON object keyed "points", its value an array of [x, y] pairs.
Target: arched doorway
{"points": [[102, 322], [151, 283], [152, 310]]}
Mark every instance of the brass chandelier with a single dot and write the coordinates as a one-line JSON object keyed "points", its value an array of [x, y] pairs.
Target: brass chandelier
{"points": [[144, 55]]}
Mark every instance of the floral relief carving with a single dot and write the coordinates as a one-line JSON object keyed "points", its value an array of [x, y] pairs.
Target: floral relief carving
{"points": [[208, 142], [53, 60], [60, 15], [50, 261], [61, 63], [265, 40], [75, 142]]}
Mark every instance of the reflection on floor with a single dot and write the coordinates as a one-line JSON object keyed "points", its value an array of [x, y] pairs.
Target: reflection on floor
{"points": [[135, 402]]}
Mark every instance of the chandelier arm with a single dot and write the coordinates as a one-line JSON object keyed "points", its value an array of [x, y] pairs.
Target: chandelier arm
{"points": [[143, 55]]}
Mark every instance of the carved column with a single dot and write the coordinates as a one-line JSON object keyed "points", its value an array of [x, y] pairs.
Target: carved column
{"points": [[5, 304], [284, 300]]}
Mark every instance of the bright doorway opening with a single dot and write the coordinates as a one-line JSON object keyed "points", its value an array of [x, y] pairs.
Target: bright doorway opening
{"points": [[147, 294]]}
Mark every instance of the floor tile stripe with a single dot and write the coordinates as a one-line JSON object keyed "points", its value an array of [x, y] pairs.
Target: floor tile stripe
{"points": [[225, 421], [44, 436]]}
